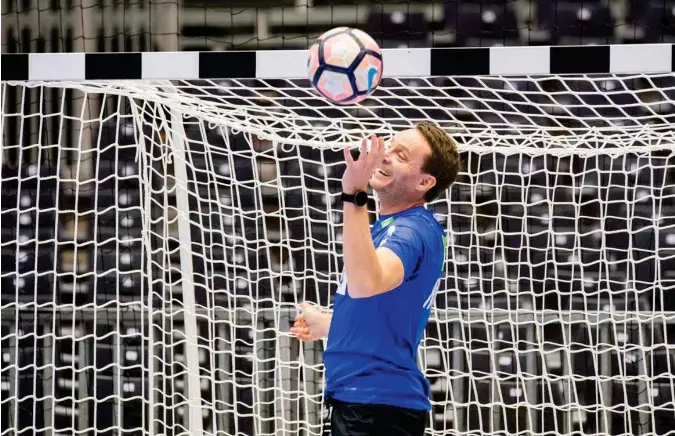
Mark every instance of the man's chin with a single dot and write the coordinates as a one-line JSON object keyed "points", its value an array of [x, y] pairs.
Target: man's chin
{"points": [[378, 184]]}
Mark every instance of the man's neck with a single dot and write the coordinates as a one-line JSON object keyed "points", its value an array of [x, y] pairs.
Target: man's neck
{"points": [[390, 208]]}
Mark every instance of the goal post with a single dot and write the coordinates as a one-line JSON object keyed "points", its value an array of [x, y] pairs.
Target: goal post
{"points": [[149, 280]]}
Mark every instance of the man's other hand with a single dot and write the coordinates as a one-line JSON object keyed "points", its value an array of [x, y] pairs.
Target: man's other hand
{"points": [[311, 324]]}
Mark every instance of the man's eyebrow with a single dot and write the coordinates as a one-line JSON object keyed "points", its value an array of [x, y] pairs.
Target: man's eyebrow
{"points": [[403, 146]]}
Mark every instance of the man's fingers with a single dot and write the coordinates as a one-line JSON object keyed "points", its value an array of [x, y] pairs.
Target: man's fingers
{"points": [[348, 158], [364, 149], [301, 332], [300, 328], [376, 149], [300, 323], [373, 147]]}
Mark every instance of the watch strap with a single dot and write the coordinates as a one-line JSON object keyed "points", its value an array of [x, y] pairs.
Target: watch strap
{"points": [[351, 198]]}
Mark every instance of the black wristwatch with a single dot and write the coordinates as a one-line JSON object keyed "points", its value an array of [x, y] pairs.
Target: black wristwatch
{"points": [[360, 198]]}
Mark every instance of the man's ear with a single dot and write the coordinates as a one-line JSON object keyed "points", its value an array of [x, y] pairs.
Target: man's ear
{"points": [[426, 182]]}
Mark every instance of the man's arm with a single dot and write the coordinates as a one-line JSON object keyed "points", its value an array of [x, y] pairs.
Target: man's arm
{"points": [[324, 323], [364, 265]]}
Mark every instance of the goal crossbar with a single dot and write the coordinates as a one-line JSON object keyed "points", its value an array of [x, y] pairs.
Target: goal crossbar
{"points": [[580, 100], [292, 64]]}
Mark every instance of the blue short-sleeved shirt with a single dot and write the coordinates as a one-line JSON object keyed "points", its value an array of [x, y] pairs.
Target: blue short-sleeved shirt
{"points": [[371, 354]]}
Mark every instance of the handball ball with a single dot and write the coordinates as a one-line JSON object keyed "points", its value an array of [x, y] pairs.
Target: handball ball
{"points": [[345, 65]]}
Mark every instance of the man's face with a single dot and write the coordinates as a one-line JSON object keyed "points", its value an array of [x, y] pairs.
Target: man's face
{"points": [[400, 172]]}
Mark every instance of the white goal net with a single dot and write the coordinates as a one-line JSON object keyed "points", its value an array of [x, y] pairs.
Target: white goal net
{"points": [[158, 236]]}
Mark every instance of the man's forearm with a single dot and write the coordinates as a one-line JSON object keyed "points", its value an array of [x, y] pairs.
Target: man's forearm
{"points": [[362, 267]]}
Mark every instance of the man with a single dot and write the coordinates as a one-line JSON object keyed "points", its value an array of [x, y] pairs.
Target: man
{"points": [[392, 271]]}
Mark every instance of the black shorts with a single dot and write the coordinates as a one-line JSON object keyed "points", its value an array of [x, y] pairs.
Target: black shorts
{"points": [[352, 419]]}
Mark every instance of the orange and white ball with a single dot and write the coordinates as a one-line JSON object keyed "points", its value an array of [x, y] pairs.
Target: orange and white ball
{"points": [[345, 65]]}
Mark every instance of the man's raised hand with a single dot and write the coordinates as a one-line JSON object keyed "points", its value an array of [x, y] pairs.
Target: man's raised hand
{"points": [[358, 172]]}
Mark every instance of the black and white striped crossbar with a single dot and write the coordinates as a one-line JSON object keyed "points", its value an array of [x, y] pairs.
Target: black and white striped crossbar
{"points": [[290, 64]]}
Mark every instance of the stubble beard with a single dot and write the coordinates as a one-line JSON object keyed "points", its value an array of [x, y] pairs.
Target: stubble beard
{"points": [[390, 193]]}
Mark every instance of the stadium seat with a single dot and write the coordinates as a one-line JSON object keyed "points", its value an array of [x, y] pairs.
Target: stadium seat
{"points": [[31, 222], [231, 176], [479, 363], [591, 100], [28, 387], [118, 287], [219, 286], [629, 360], [122, 196], [27, 288], [26, 179], [244, 411], [509, 337], [550, 417], [117, 223], [477, 24], [660, 362], [103, 356], [649, 21], [123, 257], [654, 266], [656, 97], [479, 412], [616, 241], [24, 200], [105, 407], [194, 139], [125, 167], [572, 23], [65, 355], [642, 209], [28, 257], [398, 29], [513, 419], [543, 3], [10, 183], [201, 175], [5, 350], [662, 395], [627, 396]]}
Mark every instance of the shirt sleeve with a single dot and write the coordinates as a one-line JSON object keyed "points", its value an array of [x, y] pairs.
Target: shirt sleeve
{"points": [[408, 245]]}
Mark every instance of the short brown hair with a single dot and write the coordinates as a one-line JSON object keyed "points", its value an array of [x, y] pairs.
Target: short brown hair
{"points": [[443, 162]]}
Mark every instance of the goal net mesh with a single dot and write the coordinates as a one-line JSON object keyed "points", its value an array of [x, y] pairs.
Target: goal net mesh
{"points": [[157, 238]]}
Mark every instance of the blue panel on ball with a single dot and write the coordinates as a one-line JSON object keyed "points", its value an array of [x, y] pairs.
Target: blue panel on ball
{"points": [[372, 73]]}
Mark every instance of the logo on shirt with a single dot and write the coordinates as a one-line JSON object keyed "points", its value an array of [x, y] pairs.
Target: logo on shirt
{"points": [[431, 299], [342, 284], [390, 231]]}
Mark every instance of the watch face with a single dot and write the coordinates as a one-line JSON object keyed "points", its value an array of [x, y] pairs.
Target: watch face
{"points": [[361, 198]]}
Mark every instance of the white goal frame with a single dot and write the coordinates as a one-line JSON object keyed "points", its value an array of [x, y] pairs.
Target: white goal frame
{"points": [[162, 67]]}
